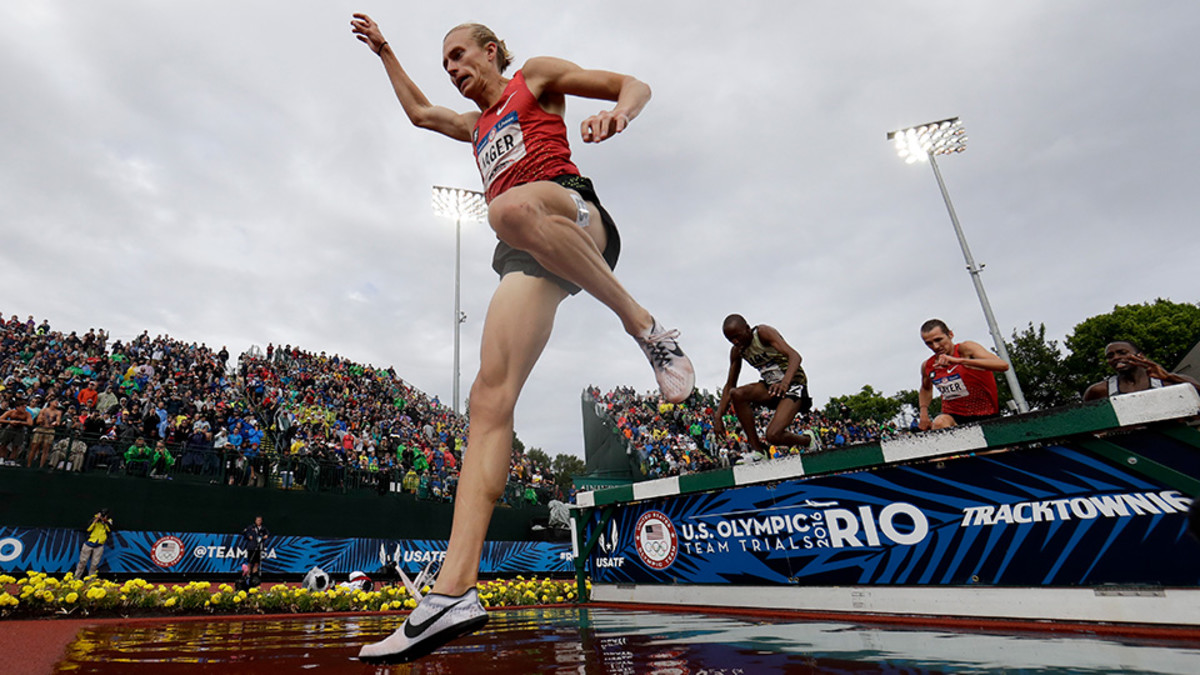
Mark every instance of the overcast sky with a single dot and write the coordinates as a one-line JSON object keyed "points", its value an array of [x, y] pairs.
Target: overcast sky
{"points": [[240, 173]]}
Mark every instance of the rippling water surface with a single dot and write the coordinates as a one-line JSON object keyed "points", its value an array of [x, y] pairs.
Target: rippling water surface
{"points": [[610, 641]]}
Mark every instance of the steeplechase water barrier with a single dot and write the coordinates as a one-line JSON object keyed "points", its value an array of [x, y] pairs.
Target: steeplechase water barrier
{"points": [[1077, 514]]}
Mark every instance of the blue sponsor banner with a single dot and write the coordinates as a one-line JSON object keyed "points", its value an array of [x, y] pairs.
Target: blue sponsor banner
{"points": [[1034, 517], [56, 551]]}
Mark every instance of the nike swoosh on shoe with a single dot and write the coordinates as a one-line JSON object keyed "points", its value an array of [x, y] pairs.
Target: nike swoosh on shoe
{"points": [[414, 630]]}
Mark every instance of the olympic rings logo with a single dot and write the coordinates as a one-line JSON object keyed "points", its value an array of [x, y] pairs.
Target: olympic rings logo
{"points": [[656, 540], [658, 548]]}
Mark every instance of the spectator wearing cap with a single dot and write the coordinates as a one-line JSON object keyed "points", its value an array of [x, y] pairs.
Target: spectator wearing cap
{"points": [[102, 452], [35, 406]]}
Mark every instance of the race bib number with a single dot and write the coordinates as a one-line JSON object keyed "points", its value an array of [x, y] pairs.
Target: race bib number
{"points": [[951, 387], [771, 374], [502, 147]]}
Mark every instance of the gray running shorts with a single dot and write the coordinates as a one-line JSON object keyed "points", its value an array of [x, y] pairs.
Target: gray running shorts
{"points": [[507, 259]]}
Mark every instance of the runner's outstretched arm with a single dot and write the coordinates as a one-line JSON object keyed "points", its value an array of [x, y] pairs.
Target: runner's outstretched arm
{"points": [[416, 105], [924, 399], [735, 369]]}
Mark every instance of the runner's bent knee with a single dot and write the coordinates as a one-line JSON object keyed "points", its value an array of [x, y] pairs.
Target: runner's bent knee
{"points": [[516, 215], [511, 217], [943, 422]]}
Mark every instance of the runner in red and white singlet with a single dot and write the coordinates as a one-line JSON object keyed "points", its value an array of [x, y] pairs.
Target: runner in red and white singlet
{"points": [[518, 142], [555, 239], [964, 375]]}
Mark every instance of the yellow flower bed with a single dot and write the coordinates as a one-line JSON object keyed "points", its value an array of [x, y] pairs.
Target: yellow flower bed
{"points": [[38, 595]]}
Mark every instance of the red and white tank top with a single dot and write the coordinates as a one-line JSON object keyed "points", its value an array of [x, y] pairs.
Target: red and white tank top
{"points": [[518, 142], [965, 391]]}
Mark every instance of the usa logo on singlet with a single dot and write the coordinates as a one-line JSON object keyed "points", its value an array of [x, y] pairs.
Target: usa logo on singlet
{"points": [[503, 146], [951, 387]]}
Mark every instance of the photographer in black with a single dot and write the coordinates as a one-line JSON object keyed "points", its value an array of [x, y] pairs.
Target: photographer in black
{"points": [[255, 538]]}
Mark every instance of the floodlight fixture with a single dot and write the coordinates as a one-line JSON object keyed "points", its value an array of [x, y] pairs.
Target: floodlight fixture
{"points": [[919, 143], [459, 204], [946, 137]]}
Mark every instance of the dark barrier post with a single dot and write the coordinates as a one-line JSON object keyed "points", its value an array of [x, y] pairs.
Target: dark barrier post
{"points": [[585, 549]]}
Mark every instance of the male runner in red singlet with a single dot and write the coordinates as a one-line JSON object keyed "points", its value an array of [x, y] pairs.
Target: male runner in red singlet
{"points": [[555, 238], [963, 374]]}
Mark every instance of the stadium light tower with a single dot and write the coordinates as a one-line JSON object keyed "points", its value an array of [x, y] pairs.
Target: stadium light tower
{"points": [[460, 205], [946, 137]]}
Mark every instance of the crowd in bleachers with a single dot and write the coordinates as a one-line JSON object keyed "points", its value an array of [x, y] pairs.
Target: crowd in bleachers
{"points": [[672, 439], [117, 403], [289, 418]]}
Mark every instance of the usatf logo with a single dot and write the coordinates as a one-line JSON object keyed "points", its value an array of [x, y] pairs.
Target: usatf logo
{"points": [[656, 541], [423, 556], [167, 551], [608, 543]]}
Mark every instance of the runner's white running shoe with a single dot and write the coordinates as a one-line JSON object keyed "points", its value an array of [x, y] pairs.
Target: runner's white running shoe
{"points": [[672, 368], [437, 620]]}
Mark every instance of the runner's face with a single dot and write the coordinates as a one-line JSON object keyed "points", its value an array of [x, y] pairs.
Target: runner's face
{"points": [[939, 341], [739, 335], [465, 62], [1117, 355]]}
